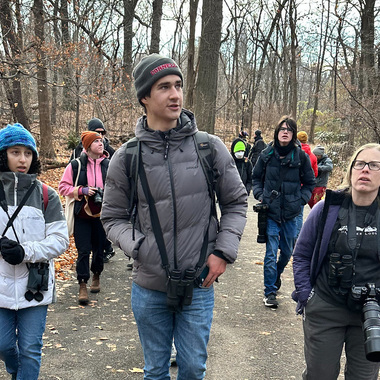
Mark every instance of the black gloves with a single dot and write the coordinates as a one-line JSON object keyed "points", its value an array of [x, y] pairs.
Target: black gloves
{"points": [[12, 252]]}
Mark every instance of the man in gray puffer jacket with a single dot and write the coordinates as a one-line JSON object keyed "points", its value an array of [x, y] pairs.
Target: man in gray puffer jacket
{"points": [[180, 195]]}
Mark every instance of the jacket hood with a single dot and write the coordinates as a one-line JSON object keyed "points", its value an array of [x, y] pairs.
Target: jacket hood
{"points": [[306, 148], [186, 126]]}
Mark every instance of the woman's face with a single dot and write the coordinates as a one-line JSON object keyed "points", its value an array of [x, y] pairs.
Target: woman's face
{"points": [[97, 147], [366, 181], [19, 158]]}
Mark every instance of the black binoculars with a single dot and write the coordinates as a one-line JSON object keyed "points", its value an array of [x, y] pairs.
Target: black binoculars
{"points": [[340, 275], [262, 220], [180, 290]]}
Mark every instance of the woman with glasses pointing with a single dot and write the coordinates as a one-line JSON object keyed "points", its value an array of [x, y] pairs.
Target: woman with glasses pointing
{"points": [[336, 267]]}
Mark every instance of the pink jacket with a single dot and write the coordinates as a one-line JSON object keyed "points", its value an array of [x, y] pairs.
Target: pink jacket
{"points": [[94, 178]]}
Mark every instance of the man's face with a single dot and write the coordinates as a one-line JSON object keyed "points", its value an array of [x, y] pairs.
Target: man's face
{"points": [[101, 132], [164, 104], [285, 135]]}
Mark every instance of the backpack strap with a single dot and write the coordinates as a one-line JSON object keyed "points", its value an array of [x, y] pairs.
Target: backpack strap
{"points": [[45, 190], [133, 147], [206, 158]]}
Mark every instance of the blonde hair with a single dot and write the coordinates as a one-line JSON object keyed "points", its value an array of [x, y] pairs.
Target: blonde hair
{"points": [[347, 184]]}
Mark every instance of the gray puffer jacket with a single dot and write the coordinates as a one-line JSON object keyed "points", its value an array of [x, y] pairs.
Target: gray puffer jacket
{"points": [[179, 189]]}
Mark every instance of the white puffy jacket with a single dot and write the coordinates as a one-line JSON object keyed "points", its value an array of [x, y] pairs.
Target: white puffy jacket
{"points": [[42, 233]]}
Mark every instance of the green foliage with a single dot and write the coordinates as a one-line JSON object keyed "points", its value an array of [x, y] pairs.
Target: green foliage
{"points": [[306, 115], [72, 140]]}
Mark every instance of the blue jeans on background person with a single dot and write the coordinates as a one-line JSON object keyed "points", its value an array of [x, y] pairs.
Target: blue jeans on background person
{"points": [[299, 222], [279, 236], [21, 340], [157, 325]]}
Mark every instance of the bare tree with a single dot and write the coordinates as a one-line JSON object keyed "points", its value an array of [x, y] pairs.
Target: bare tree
{"points": [[207, 81], [13, 46], [46, 148], [156, 26]]}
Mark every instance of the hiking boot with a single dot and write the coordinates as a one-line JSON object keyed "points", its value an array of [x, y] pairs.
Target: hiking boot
{"points": [[83, 295], [173, 356], [108, 255], [271, 301], [278, 282], [95, 284]]}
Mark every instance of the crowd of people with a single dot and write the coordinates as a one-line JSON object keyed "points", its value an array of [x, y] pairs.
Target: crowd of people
{"points": [[157, 200]]}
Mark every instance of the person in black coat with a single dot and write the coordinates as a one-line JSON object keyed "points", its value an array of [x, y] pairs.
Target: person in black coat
{"points": [[257, 147], [243, 164], [283, 179], [94, 125]]}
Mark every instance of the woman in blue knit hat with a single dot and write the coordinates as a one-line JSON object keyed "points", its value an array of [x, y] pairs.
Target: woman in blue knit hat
{"points": [[33, 232]]}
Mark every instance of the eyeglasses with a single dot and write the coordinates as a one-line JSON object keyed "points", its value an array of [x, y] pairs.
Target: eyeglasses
{"points": [[283, 129], [372, 165]]}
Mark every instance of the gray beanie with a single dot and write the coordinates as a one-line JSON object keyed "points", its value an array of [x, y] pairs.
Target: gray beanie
{"points": [[150, 69], [319, 150], [95, 124]]}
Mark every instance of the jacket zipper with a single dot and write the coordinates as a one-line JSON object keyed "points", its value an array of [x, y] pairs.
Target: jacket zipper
{"points": [[15, 204], [166, 157]]}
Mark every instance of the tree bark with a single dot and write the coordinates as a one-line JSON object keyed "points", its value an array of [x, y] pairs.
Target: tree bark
{"points": [[191, 70], [46, 138], [206, 85], [156, 26], [12, 43]]}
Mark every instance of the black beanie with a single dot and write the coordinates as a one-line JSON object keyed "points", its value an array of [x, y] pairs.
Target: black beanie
{"points": [[95, 124], [150, 69]]}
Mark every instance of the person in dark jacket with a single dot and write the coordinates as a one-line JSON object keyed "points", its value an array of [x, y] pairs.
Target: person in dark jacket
{"points": [[243, 135], [96, 125], [257, 147], [325, 167], [340, 231], [195, 245], [282, 179], [243, 164]]}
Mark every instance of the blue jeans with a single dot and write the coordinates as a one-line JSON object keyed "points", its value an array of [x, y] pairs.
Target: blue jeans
{"points": [[21, 340], [157, 325], [278, 236], [299, 222]]}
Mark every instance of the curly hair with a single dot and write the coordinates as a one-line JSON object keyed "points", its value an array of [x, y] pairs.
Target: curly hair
{"points": [[35, 167]]}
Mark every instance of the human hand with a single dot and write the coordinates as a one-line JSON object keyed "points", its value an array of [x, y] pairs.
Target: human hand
{"points": [[88, 190], [12, 252], [217, 266]]}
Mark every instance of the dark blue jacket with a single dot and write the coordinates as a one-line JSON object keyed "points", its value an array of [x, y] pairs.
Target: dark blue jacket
{"points": [[311, 247], [296, 187]]}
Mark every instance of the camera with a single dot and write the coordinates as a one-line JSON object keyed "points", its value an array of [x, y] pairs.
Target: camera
{"points": [[340, 275], [180, 290], [262, 219], [98, 196], [368, 296]]}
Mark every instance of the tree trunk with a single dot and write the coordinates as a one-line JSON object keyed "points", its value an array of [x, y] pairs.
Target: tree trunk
{"points": [[129, 13], [156, 26], [206, 85], [46, 138], [68, 103], [12, 44], [293, 55], [191, 71]]}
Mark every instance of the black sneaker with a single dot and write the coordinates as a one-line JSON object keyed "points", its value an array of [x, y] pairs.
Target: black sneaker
{"points": [[278, 282], [271, 301], [108, 255]]}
